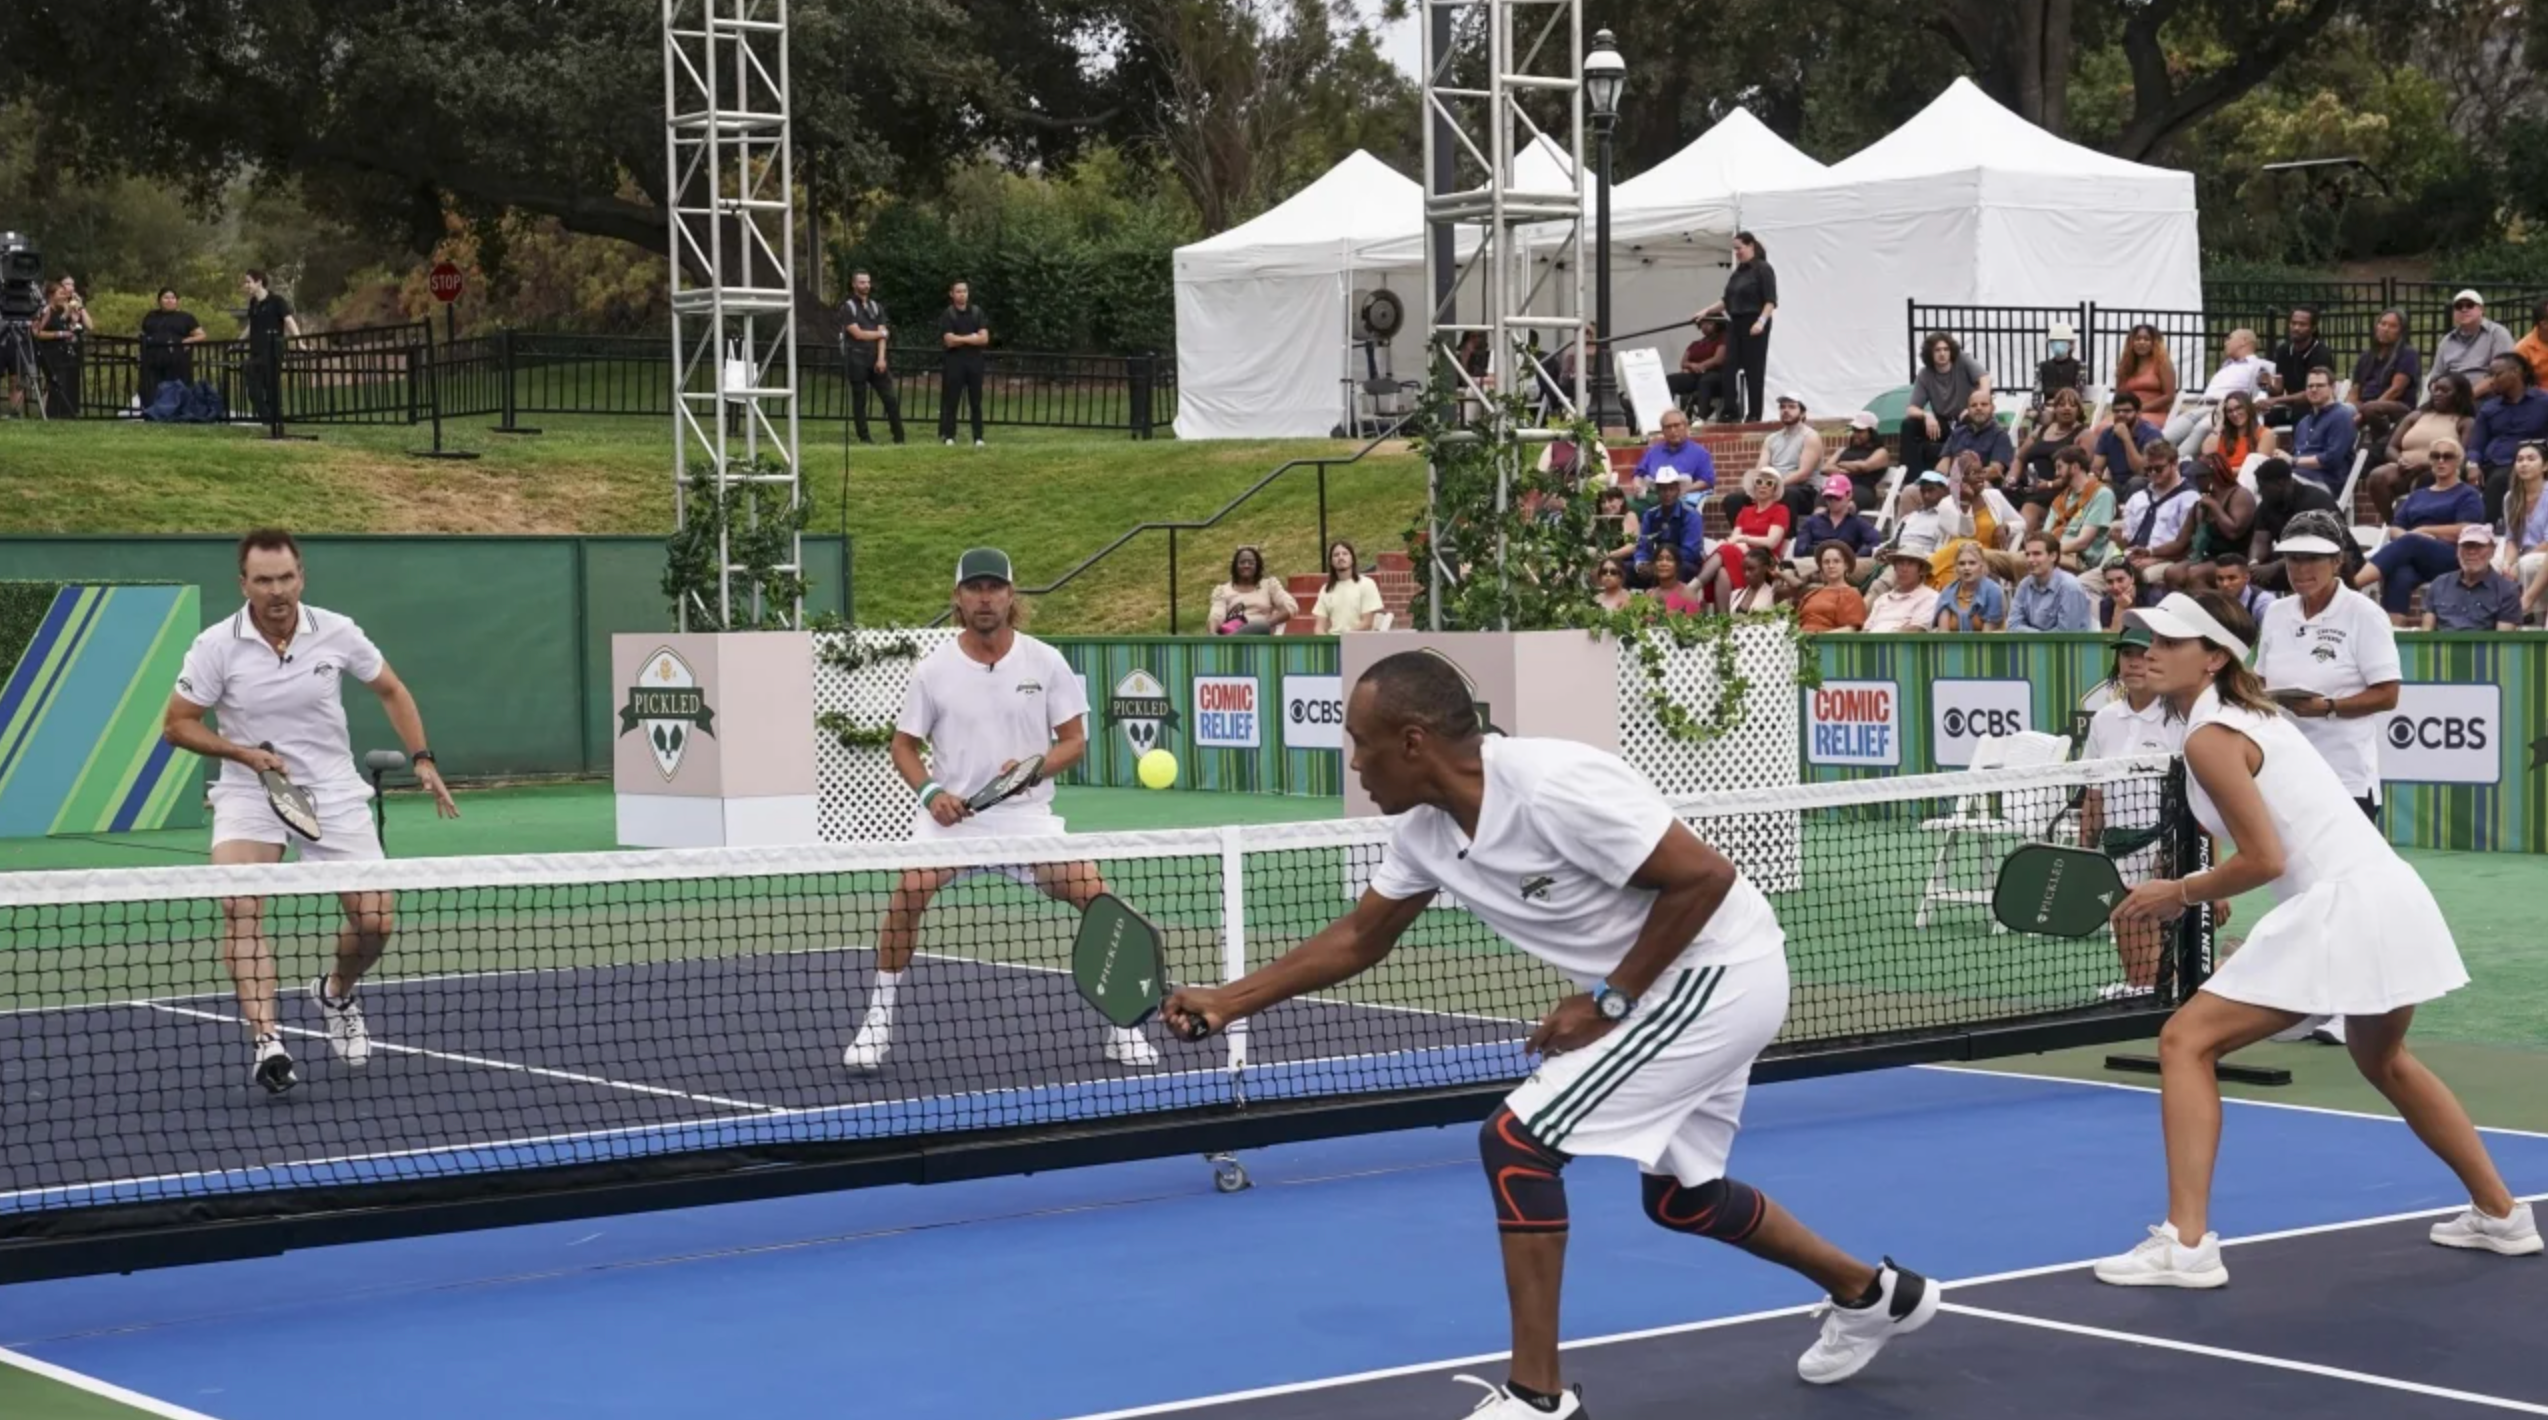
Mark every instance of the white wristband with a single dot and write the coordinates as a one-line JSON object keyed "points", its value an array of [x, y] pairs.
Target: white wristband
{"points": [[929, 790]]}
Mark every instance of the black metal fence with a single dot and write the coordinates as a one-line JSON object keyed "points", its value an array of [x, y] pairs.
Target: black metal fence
{"points": [[399, 374]]}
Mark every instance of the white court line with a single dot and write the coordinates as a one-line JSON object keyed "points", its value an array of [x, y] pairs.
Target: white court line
{"points": [[2217, 1353], [1174, 1407], [94, 1386], [2225, 1099], [488, 1063]]}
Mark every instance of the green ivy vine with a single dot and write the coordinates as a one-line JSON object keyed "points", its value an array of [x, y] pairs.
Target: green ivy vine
{"points": [[760, 528], [1528, 565], [844, 652]]}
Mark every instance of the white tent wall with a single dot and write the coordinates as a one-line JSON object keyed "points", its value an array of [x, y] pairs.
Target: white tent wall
{"points": [[1846, 258]]}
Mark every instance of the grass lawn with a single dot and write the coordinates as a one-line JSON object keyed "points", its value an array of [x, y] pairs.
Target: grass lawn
{"points": [[1051, 497]]}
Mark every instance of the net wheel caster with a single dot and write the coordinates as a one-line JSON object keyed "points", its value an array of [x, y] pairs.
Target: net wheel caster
{"points": [[1228, 1174]]}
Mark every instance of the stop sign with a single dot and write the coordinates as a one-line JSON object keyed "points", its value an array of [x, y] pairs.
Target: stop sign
{"points": [[444, 282]]}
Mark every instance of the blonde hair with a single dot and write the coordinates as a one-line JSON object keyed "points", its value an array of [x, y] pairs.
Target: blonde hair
{"points": [[1020, 610]]}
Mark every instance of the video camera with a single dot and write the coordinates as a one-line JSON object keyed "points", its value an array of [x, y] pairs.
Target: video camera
{"points": [[21, 278]]}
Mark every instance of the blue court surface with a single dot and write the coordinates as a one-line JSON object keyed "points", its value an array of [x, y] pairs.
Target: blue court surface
{"points": [[1357, 1276]]}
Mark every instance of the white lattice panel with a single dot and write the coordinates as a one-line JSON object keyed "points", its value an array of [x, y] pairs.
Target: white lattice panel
{"points": [[1760, 753], [861, 798]]}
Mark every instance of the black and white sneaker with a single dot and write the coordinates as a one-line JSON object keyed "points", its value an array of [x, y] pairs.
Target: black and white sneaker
{"points": [[274, 1065], [1852, 1336]]}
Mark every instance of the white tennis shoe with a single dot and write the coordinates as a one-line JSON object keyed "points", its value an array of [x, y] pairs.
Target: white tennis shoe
{"points": [[274, 1065], [867, 1049], [2516, 1234], [2162, 1260], [1501, 1404], [348, 1039], [1125, 1046], [1852, 1336]]}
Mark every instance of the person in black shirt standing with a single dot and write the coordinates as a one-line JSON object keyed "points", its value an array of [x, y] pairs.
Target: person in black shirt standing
{"points": [[864, 334], [58, 332], [166, 333], [963, 330], [1751, 302], [270, 323]]}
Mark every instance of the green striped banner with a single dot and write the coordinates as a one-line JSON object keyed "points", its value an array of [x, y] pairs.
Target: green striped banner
{"points": [[1132, 680]]}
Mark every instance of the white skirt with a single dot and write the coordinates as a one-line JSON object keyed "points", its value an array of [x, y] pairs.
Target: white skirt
{"points": [[2361, 945]]}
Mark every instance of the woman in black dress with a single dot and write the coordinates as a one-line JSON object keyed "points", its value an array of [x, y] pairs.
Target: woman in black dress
{"points": [[1751, 301]]}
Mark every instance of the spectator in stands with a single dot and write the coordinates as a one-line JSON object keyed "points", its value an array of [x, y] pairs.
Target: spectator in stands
{"points": [[2322, 442], [2121, 592], [1995, 522], [1972, 600], [1669, 523], [2473, 341], [1946, 380], [1764, 586], [2157, 526], [865, 334], [2533, 346], [2229, 578], [2386, 377], [2300, 352], [1614, 527], [1764, 524], [2039, 480], [2449, 412], [1676, 450], [2082, 512], [2517, 415], [169, 335], [2122, 438], [2281, 497], [2048, 598], [2242, 373], [1350, 601], [1978, 432], [1251, 603], [270, 322], [2146, 371], [1793, 454], [1833, 602], [2525, 543], [1926, 514], [1611, 582], [1839, 521], [2224, 515], [1908, 602], [1700, 383], [2479, 598], [2423, 536], [1863, 460], [964, 332], [1667, 587], [2059, 369], [1749, 305], [2240, 435]]}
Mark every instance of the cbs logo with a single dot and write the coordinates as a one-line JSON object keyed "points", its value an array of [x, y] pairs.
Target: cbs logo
{"points": [[1318, 712], [1974, 724], [2437, 732]]}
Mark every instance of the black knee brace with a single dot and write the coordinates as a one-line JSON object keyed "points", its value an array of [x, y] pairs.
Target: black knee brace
{"points": [[1523, 1173], [1722, 1208]]}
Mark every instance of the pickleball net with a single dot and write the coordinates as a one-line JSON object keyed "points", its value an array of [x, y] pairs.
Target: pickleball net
{"points": [[544, 1026]]}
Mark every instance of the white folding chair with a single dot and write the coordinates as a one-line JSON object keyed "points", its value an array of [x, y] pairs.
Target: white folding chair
{"points": [[2369, 536], [2023, 814]]}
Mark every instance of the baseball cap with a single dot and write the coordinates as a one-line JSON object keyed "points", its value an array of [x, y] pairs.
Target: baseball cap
{"points": [[2478, 532], [1797, 400], [1837, 486], [1669, 474], [983, 562], [1863, 419], [2134, 634], [1933, 476], [2471, 297]]}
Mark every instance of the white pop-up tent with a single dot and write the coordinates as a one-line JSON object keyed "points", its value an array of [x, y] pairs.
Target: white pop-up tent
{"points": [[1265, 311], [1966, 204]]}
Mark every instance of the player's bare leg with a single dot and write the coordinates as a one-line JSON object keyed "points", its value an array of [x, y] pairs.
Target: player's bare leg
{"points": [[370, 917], [1080, 884], [2378, 1046], [1534, 1279], [897, 941], [250, 962]]}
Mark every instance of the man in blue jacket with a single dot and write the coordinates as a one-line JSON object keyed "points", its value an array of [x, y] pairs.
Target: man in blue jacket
{"points": [[1669, 523], [2517, 415]]}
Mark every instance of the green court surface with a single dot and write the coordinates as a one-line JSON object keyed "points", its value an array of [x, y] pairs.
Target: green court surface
{"points": [[26, 1394]]}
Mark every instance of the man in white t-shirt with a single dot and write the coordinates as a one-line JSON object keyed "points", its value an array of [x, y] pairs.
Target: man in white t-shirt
{"points": [[273, 673], [978, 705], [2157, 525], [2134, 722], [1572, 856]]}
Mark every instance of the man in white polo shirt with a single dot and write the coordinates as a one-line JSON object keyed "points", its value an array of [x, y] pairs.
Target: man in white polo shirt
{"points": [[1574, 857], [977, 705], [274, 674]]}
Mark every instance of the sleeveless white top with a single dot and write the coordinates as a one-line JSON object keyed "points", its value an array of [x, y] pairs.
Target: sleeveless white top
{"points": [[2354, 930]]}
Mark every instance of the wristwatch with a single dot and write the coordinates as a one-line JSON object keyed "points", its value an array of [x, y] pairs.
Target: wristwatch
{"points": [[1613, 1003], [424, 756]]}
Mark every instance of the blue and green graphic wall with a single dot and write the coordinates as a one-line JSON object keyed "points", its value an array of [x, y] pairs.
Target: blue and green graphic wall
{"points": [[1257, 714], [85, 671], [2464, 757]]}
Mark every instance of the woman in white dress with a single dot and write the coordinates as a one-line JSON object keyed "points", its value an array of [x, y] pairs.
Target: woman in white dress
{"points": [[2353, 932]]}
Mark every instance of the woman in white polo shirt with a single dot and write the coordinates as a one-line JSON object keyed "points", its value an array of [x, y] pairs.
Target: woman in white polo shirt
{"points": [[2329, 657], [2135, 721]]}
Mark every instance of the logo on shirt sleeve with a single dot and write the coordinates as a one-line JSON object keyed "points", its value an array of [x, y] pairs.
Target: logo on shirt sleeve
{"points": [[667, 703]]}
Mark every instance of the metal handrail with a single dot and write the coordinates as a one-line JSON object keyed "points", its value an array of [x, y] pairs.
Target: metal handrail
{"points": [[1190, 525]]}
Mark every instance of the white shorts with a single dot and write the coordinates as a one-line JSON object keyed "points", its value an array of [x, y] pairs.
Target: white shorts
{"points": [[345, 827], [1009, 820], [1665, 1087]]}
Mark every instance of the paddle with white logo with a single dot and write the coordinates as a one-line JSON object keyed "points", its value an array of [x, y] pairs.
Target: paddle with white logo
{"points": [[1120, 964], [1013, 781], [290, 801], [2056, 891]]}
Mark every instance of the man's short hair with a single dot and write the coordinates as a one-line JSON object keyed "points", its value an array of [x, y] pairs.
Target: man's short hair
{"points": [[2126, 397], [2071, 453], [2229, 559], [257, 276], [2052, 544], [1421, 688], [266, 540], [2518, 365]]}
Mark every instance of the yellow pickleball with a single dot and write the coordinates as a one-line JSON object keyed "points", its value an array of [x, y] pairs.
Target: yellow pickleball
{"points": [[1158, 769]]}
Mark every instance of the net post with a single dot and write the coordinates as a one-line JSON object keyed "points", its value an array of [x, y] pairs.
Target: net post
{"points": [[2191, 854], [1234, 941]]}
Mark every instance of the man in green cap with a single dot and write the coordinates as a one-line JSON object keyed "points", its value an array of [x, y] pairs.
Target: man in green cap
{"points": [[978, 705], [2132, 722]]}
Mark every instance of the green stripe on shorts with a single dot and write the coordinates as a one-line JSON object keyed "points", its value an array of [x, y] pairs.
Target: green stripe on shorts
{"points": [[1688, 999]]}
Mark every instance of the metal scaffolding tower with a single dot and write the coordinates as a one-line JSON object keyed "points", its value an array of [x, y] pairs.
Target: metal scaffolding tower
{"points": [[731, 183], [1498, 76]]}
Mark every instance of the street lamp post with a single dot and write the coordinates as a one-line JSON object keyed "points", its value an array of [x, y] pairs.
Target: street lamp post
{"points": [[1605, 75]]}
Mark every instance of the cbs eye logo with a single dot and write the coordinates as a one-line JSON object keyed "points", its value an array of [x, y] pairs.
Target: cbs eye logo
{"points": [[1961, 723], [2437, 732]]}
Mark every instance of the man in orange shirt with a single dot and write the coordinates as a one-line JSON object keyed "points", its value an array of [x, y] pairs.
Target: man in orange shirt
{"points": [[2534, 346]]}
